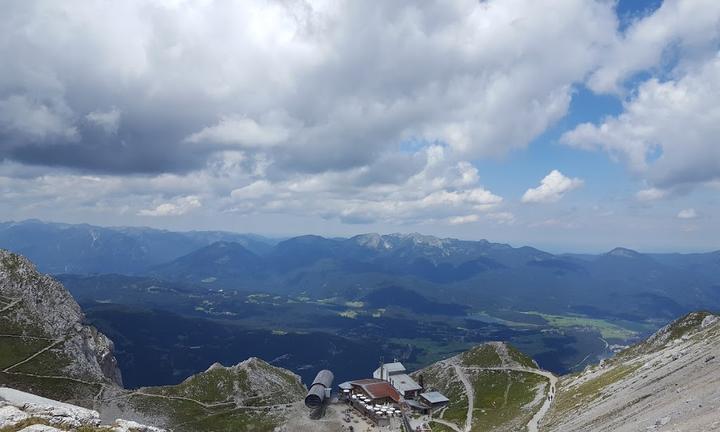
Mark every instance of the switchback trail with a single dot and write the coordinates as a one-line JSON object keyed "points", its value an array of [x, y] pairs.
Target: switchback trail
{"points": [[532, 425]]}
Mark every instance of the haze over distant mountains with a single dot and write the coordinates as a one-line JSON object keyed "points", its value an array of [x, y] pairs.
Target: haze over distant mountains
{"points": [[82, 248], [621, 283]]}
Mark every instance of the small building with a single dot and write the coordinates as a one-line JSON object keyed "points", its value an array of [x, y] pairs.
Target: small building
{"points": [[396, 374], [386, 370], [407, 386], [434, 399], [376, 390]]}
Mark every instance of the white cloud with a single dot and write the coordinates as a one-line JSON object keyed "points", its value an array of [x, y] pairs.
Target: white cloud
{"points": [[460, 220], [437, 189], [33, 120], [109, 121], [688, 213], [683, 29], [668, 132], [352, 80], [360, 112], [503, 218], [552, 188], [257, 189], [178, 207], [651, 194], [241, 132]]}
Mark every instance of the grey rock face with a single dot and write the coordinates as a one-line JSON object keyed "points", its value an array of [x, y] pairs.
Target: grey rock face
{"points": [[667, 383], [40, 304], [17, 406]]}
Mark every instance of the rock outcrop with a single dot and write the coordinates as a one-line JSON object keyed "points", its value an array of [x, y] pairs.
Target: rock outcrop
{"points": [[36, 413], [37, 305], [670, 382]]}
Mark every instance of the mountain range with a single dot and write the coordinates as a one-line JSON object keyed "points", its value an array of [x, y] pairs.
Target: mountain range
{"points": [[82, 248], [620, 284], [667, 382]]}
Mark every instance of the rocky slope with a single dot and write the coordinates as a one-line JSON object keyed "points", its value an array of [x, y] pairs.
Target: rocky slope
{"points": [[252, 396], [26, 412], [670, 382], [42, 334]]}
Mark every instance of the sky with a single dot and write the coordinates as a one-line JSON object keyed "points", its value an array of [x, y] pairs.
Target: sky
{"points": [[571, 125]]}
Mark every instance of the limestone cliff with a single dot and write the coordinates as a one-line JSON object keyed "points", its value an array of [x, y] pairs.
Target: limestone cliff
{"points": [[37, 307]]}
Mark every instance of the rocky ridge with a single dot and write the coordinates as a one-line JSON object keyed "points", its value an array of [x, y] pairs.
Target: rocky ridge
{"points": [[36, 305], [670, 382]]}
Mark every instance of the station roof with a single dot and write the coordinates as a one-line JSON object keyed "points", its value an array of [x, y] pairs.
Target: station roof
{"points": [[404, 383], [377, 389], [434, 397], [393, 367]]}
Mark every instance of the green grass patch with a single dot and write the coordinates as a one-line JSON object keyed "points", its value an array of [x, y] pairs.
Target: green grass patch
{"points": [[446, 382], [185, 416], [482, 356], [223, 385], [500, 397], [520, 357], [438, 427], [607, 329], [14, 350], [217, 385], [10, 326], [60, 389], [456, 410], [50, 362]]}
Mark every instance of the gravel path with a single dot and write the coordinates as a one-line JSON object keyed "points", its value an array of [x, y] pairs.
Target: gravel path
{"points": [[532, 426], [469, 392]]}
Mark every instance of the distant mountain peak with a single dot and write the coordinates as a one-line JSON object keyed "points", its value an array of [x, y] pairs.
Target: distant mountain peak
{"points": [[372, 241], [623, 253], [419, 238]]}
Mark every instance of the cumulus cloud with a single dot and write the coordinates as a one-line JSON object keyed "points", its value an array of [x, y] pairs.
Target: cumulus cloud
{"points": [[178, 207], [433, 190], [459, 220], [30, 120], [503, 218], [316, 86], [109, 121], [358, 112], [685, 30], [241, 132], [688, 213], [668, 132], [552, 188], [651, 194]]}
